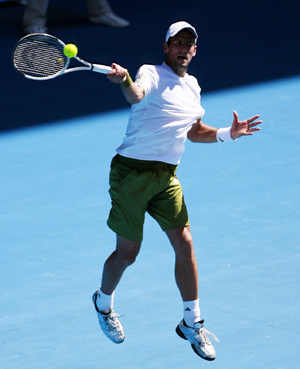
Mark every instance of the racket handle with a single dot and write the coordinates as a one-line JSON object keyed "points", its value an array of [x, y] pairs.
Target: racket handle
{"points": [[101, 68]]}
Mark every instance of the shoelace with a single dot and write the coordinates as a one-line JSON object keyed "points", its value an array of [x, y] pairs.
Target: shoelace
{"points": [[110, 320], [206, 332]]}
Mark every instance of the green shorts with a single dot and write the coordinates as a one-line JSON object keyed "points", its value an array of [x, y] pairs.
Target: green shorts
{"points": [[137, 187]]}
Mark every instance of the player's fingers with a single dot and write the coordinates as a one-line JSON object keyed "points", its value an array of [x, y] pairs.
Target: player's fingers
{"points": [[112, 73], [255, 123], [255, 129], [252, 119], [115, 66], [117, 69], [235, 117]]}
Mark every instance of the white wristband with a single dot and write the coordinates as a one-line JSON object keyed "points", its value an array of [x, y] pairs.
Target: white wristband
{"points": [[224, 134]]}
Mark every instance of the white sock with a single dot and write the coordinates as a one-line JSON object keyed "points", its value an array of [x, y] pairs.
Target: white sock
{"points": [[105, 302], [191, 312]]}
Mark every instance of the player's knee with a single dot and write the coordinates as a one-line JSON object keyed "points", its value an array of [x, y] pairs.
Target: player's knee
{"points": [[185, 247], [127, 258], [127, 251]]}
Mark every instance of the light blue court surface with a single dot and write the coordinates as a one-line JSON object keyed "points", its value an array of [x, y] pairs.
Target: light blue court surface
{"points": [[243, 200]]}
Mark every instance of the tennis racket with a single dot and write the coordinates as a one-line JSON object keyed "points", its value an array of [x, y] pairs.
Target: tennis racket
{"points": [[40, 57]]}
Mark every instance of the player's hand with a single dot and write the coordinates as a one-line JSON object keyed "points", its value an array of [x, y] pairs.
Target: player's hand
{"points": [[118, 73], [244, 127]]}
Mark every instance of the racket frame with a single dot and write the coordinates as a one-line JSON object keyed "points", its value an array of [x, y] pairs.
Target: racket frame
{"points": [[99, 68]]}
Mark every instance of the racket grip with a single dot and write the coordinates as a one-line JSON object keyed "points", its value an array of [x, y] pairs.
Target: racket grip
{"points": [[101, 68]]}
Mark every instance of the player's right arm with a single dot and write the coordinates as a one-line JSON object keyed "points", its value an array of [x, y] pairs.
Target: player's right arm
{"points": [[132, 92]]}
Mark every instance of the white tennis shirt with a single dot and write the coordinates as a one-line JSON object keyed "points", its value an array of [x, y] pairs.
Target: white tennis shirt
{"points": [[159, 123]]}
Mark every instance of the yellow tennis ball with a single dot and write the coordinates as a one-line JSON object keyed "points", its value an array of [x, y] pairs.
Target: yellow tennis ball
{"points": [[70, 50]]}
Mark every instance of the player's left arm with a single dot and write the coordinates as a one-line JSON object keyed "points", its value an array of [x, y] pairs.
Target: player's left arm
{"points": [[201, 132]]}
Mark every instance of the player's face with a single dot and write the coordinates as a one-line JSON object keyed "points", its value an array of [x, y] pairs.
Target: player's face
{"points": [[180, 51]]}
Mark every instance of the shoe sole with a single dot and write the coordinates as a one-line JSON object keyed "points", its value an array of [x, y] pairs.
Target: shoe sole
{"points": [[181, 335]]}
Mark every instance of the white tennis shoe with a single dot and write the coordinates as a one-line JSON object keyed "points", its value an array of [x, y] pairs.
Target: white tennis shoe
{"points": [[197, 336], [109, 323]]}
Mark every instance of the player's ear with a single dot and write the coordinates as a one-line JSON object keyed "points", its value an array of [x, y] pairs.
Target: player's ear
{"points": [[165, 47], [195, 50]]}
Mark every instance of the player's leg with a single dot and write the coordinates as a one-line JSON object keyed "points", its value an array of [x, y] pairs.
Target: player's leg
{"points": [[191, 328], [114, 267], [186, 271], [168, 208]]}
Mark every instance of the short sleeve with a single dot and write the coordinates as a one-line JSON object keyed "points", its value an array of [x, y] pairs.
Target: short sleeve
{"points": [[145, 78]]}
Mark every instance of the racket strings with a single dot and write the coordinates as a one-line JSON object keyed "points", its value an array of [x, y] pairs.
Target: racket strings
{"points": [[40, 57]]}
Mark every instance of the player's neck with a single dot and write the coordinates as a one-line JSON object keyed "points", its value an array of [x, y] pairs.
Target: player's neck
{"points": [[180, 71]]}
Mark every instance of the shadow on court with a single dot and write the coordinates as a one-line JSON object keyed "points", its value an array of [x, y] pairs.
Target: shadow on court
{"points": [[239, 44]]}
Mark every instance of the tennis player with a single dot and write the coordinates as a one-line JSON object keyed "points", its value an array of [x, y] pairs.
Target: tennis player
{"points": [[165, 111]]}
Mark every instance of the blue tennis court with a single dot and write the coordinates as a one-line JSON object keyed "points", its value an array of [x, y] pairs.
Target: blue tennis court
{"points": [[56, 142], [243, 201]]}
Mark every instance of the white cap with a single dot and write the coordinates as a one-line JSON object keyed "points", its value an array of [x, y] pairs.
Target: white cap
{"points": [[179, 26]]}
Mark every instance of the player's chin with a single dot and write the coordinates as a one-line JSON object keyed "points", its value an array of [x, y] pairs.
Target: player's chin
{"points": [[182, 62]]}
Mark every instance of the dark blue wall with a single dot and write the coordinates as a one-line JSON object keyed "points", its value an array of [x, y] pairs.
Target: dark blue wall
{"points": [[239, 43]]}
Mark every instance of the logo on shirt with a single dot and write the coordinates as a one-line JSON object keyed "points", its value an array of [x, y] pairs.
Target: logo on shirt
{"points": [[138, 80]]}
